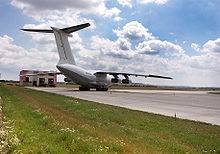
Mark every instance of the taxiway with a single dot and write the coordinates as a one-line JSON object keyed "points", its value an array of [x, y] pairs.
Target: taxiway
{"points": [[192, 105]]}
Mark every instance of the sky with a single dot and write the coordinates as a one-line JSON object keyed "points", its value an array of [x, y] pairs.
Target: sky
{"points": [[177, 38]]}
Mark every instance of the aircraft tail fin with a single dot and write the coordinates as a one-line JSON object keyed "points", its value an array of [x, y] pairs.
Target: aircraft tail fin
{"points": [[61, 36]]}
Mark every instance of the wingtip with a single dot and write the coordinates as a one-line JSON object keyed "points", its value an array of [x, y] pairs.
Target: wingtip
{"points": [[26, 30], [169, 78], [88, 24]]}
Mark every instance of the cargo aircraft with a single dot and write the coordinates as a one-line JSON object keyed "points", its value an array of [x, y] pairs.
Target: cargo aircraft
{"points": [[100, 80]]}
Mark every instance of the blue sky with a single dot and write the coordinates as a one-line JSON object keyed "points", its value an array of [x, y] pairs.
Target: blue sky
{"points": [[178, 38]]}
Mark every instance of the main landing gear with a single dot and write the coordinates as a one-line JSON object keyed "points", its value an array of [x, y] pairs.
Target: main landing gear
{"points": [[84, 89]]}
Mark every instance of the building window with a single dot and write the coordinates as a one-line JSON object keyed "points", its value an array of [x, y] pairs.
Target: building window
{"points": [[42, 80], [50, 81], [27, 79]]}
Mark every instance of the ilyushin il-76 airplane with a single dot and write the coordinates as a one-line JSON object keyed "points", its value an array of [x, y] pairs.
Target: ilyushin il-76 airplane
{"points": [[100, 80]]}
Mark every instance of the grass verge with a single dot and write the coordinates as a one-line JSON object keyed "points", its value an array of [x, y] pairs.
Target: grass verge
{"points": [[214, 93], [44, 123]]}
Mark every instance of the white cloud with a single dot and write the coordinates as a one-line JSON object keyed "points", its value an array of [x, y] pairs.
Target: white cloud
{"points": [[47, 41], [125, 3], [17, 57], [123, 44], [134, 31], [152, 47], [212, 46], [119, 49], [118, 18], [41, 9], [203, 62], [56, 4], [159, 2], [195, 47], [108, 12]]}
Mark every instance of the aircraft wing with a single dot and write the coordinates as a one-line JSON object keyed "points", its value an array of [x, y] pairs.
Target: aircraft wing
{"points": [[115, 74]]}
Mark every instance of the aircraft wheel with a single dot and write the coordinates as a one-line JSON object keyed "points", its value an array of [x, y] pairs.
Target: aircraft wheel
{"points": [[84, 89]]}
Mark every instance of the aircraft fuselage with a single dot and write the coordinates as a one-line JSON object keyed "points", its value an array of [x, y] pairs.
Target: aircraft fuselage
{"points": [[82, 77]]}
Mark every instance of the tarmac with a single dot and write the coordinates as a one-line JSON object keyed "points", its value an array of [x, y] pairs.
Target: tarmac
{"points": [[192, 105]]}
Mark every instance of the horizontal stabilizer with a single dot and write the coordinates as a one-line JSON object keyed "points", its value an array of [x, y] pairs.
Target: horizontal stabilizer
{"points": [[75, 28], [38, 30], [66, 30]]}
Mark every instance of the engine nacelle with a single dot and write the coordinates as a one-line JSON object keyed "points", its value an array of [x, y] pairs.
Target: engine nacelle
{"points": [[126, 81], [67, 80], [115, 80]]}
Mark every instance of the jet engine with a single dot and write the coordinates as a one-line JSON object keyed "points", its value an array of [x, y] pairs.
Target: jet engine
{"points": [[116, 80], [126, 81]]}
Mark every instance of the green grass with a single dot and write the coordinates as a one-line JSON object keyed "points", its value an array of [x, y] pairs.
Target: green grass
{"points": [[214, 93], [50, 123]]}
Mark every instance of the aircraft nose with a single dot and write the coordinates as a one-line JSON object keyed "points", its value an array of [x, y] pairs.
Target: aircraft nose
{"points": [[61, 68]]}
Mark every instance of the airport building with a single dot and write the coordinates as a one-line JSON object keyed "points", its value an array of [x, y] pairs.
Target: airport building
{"points": [[38, 78]]}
